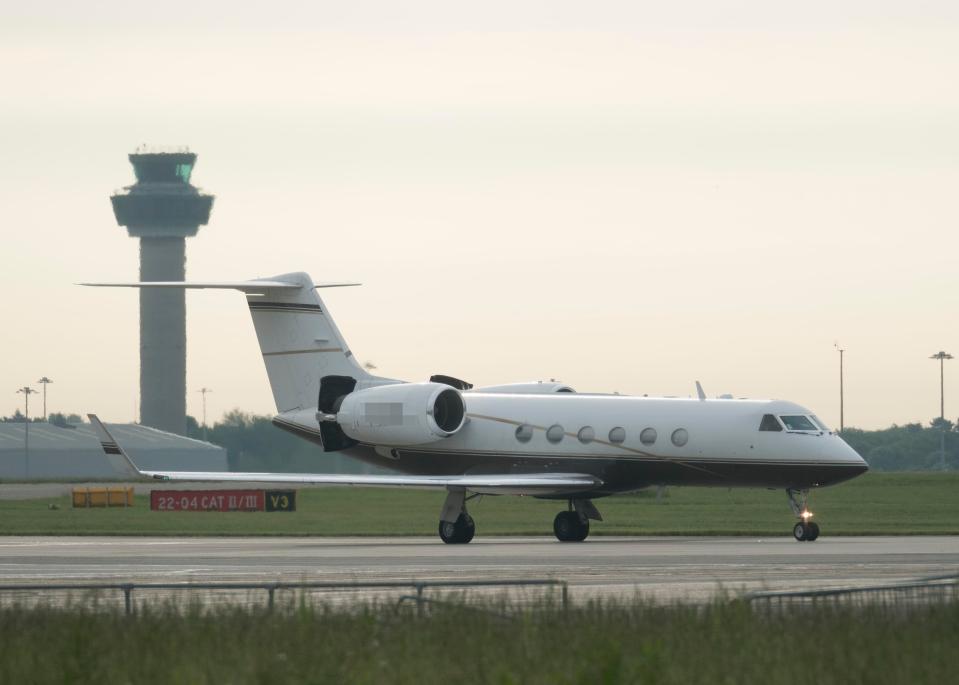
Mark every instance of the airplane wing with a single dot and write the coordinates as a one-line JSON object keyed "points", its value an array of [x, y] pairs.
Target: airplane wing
{"points": [[490, 484]]}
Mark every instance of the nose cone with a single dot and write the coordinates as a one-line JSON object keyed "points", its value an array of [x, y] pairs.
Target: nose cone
{"points": [[846, 461], [849, 454]]}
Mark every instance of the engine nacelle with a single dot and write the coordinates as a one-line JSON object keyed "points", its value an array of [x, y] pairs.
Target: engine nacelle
{"points": [[402, 414], [538, 388]]}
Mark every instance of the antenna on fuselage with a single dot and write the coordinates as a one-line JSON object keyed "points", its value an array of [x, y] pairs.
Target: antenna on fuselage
{"points": [[700, 393]]}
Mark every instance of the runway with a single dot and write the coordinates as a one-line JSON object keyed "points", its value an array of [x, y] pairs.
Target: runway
{"points": [[661, 568]]}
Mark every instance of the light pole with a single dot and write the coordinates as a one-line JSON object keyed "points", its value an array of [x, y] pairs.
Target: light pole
{"points": [[27, 391], [204, 391], [942, 357], [46, 381], [842, 408]]}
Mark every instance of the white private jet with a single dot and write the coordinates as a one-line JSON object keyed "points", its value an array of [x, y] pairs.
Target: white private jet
{"points": [[538, 439]]}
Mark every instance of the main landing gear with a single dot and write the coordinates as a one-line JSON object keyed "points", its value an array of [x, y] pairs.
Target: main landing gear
{"points": [[457, 527], [805, 530], [573, 525], [569, 527], [459, 531]]}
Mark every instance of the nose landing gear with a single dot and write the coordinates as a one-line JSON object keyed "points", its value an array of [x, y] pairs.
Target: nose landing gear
{"points": [[805, 530]]}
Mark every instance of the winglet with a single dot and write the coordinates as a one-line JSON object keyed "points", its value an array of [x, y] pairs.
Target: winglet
{"points": [[700, 393], [119, 459]]}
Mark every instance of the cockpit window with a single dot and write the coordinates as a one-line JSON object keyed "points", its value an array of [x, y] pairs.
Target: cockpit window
{"points": [[798, 423], [769, 423], [819, 422]]}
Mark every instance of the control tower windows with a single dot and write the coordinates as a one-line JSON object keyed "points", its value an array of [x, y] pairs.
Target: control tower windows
{"points": [[183, 171], [150, 167]]}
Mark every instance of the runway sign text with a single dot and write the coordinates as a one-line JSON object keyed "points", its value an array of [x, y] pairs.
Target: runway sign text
{"points": [[223, 500]]}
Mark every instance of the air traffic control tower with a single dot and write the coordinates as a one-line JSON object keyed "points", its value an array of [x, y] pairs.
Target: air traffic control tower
{"points": [[162, 209]]}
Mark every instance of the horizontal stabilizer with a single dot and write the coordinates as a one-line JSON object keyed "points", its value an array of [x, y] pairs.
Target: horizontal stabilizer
{"points": [[254, 286]]}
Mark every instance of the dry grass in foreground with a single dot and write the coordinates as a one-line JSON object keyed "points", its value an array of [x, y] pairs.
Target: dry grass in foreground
{"points": [[630, 642]]}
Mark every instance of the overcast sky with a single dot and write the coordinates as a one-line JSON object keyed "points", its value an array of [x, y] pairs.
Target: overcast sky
{"points": [[626, 196]]}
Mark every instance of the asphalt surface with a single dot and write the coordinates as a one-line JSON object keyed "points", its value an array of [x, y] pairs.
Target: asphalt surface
{"points": [[688, 568]]}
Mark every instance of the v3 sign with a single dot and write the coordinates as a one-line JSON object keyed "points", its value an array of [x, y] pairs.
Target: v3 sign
{"points": [[280, 500]]}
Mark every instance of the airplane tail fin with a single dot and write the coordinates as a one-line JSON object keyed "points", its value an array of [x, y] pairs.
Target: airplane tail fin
{"points": [[299, 340]]}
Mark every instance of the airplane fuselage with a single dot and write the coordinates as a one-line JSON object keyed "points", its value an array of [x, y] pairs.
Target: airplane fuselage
{"points": [[627, 442]]}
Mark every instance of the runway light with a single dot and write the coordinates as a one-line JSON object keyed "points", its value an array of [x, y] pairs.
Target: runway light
{"points": [[806, 515]]}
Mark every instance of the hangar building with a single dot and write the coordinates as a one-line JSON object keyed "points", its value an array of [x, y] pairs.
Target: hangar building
{"points": [[75, 452]]}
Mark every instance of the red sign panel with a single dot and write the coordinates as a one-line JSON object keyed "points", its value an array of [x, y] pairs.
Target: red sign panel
{"points": [[207, 500]]}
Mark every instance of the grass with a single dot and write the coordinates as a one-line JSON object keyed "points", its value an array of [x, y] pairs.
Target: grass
{"points": [[630, 642], [875, 504]]}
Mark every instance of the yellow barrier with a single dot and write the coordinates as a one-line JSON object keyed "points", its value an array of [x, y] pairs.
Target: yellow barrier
{"points": [[102, 497]]}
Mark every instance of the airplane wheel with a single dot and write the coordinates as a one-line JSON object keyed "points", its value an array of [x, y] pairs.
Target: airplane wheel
{"points": [[568, 527], [469, 528], [564, 524], [458, 533], [583, 531], [806, 531]]}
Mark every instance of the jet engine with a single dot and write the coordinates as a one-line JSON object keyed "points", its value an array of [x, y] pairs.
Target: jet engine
{"points": [[402, 414]]}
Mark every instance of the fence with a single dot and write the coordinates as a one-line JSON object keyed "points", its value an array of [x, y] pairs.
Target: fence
{"points": [[921, 590], [271, 588]]}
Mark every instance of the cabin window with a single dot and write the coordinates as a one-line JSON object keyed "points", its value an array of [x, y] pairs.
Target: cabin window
{"points": [[524, 433], [798, 423], [586, 434], [769, 423], [648, 436], [555, 433], [680, 437], [617, 435]]}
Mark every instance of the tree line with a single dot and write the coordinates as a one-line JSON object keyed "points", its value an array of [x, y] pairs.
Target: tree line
{"points": [[912, 447], [253, 443]]}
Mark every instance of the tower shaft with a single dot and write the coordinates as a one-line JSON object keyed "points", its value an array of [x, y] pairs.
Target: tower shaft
{"points": [[163, 336], [162, 209]]}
